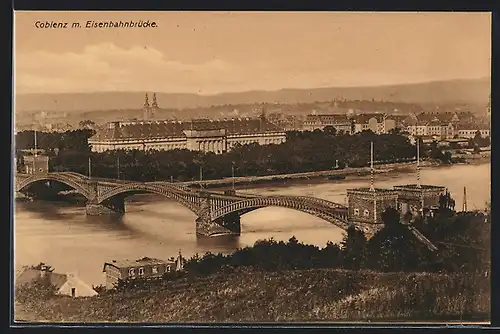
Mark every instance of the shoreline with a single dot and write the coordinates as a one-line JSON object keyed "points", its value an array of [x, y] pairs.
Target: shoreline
{"points": [[318, 176], [338, 174]]}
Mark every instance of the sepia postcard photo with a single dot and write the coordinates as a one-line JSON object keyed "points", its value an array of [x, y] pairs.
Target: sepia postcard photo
{"points": [[251, 167]]}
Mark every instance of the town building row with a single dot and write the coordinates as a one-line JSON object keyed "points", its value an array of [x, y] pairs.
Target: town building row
{"points": [[438, 125]]}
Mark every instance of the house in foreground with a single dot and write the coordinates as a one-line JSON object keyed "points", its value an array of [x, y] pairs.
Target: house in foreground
{"points": [[149, 268], [65, 284]]}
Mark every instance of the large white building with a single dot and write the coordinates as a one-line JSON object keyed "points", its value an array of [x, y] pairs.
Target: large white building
{"points": [[204, 135], [216, 136]]}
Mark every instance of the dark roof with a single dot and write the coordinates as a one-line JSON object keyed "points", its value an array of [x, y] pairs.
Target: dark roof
{"points": [[443, 117], [135, 263], [399, 118], [435, 122], [172, 129], [472, 126], [29, 275], [457, 140], [377, 190], [336, 118], [364, 118], [416, 186]]}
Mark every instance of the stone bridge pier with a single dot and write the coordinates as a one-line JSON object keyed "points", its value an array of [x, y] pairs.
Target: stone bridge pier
{"points": [[206, 227], [112, 206]]}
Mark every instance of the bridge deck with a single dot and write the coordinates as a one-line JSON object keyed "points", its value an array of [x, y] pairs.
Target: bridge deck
{"points": [[329, 211]]}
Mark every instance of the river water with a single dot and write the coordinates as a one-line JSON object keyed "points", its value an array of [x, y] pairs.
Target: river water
{"points": [[63, 236]]}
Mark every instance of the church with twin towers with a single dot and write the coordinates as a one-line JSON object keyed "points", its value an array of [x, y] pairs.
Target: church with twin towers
{"points": [[150, 109]]}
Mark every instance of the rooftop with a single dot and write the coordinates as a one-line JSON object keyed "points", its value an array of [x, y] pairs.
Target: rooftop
{"points": [[364, 118], [173, 129], [29, 275], [472, 126], [416, 186], [338, 118], [145, 261], [377, 190]]}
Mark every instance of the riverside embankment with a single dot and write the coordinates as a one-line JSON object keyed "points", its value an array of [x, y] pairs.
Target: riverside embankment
{"points": [[340, 173]]}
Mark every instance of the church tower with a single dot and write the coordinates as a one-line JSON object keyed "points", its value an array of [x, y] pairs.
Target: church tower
{"points": [[146, 108], [154, 106], [262, 118]]}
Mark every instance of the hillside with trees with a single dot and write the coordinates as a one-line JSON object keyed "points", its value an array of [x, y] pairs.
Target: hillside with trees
{"points": [[388, 277]]}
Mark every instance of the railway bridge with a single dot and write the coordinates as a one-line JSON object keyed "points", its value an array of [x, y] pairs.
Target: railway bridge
{"points": [[217, 213]]}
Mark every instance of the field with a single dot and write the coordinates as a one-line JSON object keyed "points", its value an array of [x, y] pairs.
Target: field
{"points": [[247, 295]]}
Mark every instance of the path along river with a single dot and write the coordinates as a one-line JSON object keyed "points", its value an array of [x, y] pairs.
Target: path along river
{"points": [[62, 235]]}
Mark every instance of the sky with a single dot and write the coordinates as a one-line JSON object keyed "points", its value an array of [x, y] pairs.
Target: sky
{"points": [[215, 52]]}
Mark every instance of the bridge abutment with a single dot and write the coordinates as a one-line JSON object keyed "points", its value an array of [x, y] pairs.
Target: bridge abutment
{"points": [[113, 206]]}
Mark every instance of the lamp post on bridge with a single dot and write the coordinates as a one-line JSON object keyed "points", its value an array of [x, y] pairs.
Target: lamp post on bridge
{"points": [[232, 174], [90, 167], [201, 177], [118, 167], [34, 151]]}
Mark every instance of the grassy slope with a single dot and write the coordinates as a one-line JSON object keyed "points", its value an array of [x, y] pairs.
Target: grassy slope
{"points": [[310, 295]]}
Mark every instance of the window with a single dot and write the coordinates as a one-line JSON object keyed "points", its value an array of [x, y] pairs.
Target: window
{"points": [[141, 271], [155, 270], [356, 212], [168, 269], [131, 272], [366, 213]]}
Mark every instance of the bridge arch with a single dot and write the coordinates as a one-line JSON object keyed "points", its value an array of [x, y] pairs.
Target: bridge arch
{"points": [[189, 200], [331, 212], [58, 177]]}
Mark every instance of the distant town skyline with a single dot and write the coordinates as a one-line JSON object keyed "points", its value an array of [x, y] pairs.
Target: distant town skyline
{"points": [[217, 52]]}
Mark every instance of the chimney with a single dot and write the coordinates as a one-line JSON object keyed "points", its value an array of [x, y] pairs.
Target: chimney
{"points": [[43, 270], [180, 262]]}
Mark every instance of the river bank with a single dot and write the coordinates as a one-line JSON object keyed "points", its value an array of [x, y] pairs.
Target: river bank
{"points": [[247, 295], [327, 174], [294, 178]]}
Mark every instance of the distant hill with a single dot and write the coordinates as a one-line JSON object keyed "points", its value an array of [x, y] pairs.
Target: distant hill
{"points": [[451, 91]]}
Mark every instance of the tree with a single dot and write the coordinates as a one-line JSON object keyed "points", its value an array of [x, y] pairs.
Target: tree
{"points": [[394, 247], [330, 130], [86, 124], [446, 202], [19, 162], [353, 248], [390, 216]]}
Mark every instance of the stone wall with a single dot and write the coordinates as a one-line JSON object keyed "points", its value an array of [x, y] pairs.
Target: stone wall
{"points": [[363, 207], [411, 200], [115, 205]]}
